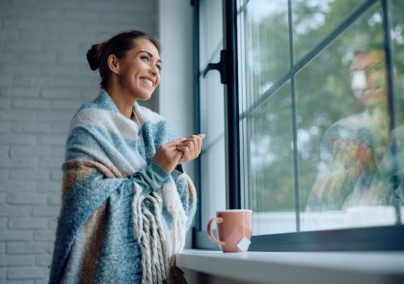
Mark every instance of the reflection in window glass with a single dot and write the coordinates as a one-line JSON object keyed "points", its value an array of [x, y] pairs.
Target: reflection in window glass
{"points": [[314, 19], [397, 44], [350, 156], [266, 44], [272, 193], [213, 186], [343, 132]]}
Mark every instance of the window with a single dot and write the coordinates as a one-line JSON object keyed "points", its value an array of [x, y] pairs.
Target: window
{"points": [[212, 116], [318, 129]]}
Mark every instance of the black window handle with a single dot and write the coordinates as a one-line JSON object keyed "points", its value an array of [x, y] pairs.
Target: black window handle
{"points": [[220, 66]]}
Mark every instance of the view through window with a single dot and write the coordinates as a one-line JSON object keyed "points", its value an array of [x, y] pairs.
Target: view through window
{"points": [[321, 93]]}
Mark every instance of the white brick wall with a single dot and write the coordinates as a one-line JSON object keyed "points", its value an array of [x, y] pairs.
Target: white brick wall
{"points": [[44, 78]]}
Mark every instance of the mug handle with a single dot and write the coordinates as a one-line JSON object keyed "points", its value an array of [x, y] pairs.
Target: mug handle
{"points": [[210, 234]]}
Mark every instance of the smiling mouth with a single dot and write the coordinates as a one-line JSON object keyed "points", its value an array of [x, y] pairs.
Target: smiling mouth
{"points": [[373, 90], [148, 82]]}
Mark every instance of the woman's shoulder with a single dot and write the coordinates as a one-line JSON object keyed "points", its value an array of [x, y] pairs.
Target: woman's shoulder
{"points": [[101, 112], [102, 102]]}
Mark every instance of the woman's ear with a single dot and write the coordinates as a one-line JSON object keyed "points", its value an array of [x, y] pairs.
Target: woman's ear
{"points": [[113, 63]]}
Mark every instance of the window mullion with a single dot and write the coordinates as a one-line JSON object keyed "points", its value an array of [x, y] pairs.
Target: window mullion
{"points": [[293, 94], [231, 91], [197, 110], [390, 98]]}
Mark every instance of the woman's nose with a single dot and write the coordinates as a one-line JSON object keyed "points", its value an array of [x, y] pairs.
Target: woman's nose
{"points": [[153, 70], [358, 80]]}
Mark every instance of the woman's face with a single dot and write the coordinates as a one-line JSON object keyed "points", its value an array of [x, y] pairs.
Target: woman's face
{"points": [[139, 71], [372, 67]]}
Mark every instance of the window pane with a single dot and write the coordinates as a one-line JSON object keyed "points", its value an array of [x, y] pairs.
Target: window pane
{"points": [[397, 43], [266, 45], [213, 191], [343, 132], [314, 19], [213, 181], [211, 31], [272, 193], [213, 187], [212, 93]]}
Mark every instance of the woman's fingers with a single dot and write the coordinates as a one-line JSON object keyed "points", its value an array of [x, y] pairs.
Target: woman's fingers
{"points": [[174, 142], [199, 139], [351, 148], [189, 142], [331, 140], [167, 155], [362, 152], [185, 156], [191, 150], [336, 148], [194, 145], [198, 143], [178, 155], [343, 147]]}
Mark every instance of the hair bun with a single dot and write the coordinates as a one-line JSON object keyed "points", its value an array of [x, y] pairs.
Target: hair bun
{"points": [[94, 54]]}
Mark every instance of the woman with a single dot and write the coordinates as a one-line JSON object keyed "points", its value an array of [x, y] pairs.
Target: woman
{"points": [[126, 202], [357, 165]]}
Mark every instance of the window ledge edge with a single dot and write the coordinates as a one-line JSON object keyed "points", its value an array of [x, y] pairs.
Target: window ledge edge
{"points": [[297, 267]]}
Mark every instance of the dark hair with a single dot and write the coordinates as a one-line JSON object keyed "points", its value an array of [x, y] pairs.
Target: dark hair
{"points": [[118, 45]]}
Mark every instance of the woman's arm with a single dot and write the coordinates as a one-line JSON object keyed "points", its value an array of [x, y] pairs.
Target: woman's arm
{"points": [[151, 178]]}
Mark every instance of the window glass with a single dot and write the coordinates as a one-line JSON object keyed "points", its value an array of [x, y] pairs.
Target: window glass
{"points": [[213, 193], [348, 123], [213, 181], [266, 134], [266, 37], [314, 19], [211, 31], [213, 186], [343, 132], [338, 110], [272, 191], [397, 44]]}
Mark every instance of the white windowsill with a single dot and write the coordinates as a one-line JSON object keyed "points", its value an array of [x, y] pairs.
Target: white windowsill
{"points": [[298, 267]]}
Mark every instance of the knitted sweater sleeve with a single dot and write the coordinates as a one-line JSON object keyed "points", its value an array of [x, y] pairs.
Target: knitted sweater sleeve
{"points": [[151, 177]]}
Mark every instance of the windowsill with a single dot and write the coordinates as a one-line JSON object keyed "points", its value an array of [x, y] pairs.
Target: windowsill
{"points": [[298, 267]]}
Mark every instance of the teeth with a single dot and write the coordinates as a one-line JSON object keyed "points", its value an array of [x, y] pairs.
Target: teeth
{"points": [[148, 82], [373, 90]]}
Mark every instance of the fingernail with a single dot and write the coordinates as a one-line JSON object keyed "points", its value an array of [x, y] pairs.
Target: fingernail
{"points": [[203, 135]]}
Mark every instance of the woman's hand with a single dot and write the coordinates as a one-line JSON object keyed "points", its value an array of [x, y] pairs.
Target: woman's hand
{"points": [[191, 147], [354, 152], [344, 150], [167, 156]]}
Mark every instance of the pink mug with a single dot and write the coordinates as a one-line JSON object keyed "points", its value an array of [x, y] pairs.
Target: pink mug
{"points": [[233, 230]]}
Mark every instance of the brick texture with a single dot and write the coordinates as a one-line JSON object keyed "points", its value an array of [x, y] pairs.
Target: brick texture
{"points": [[44, 79], [27, 273], [27, 248], [13, 260]]}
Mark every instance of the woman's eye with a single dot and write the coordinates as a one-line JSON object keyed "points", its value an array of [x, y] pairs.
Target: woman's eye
{"points": [[145, 58], [159, 67]]}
